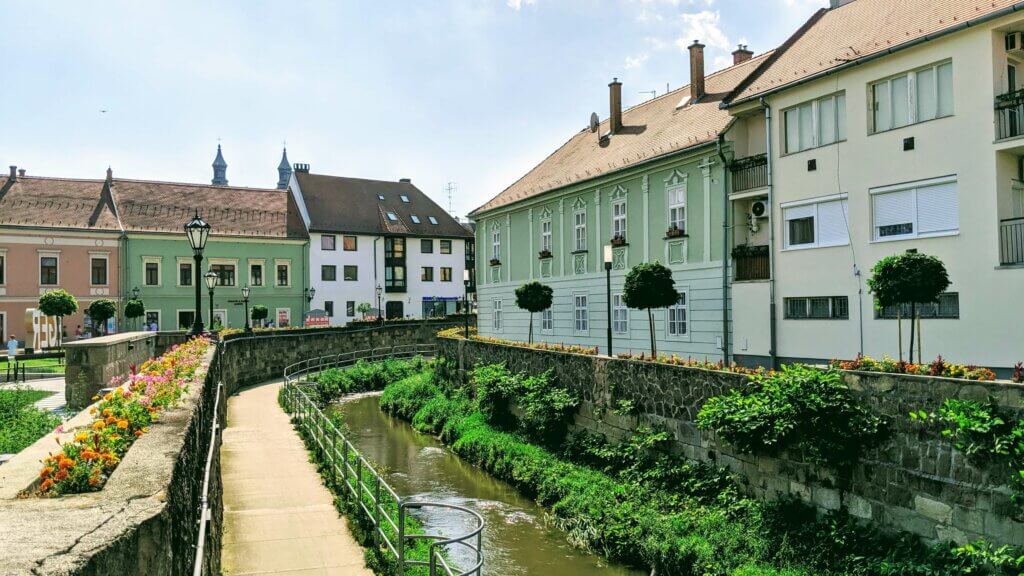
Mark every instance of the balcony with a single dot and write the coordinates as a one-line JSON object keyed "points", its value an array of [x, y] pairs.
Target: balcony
{"points": [[749, 173], [751, 263], [1009, 113], [1011, 241]]}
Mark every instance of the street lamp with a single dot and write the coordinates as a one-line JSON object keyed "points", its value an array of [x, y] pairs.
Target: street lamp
{"points": [[135, 293], [198, 232], [608, 276], [245, 300], [380, 314], [465, 310], [211, 281]]}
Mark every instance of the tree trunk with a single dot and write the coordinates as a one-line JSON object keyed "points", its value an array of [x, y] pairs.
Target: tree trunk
{"points": [[913, 319], [919, 338], [530, 339], [899, 328], [650, 324]]}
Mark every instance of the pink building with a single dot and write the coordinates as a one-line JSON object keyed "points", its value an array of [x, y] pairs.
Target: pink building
{"points": [[55, 233]]}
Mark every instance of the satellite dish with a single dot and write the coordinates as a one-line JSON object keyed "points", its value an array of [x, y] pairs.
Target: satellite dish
{"points": [[594, 121]]}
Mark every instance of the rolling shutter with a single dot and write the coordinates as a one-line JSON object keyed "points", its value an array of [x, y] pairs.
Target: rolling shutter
{"points": [[893, 209], [937, 208], [832, 223]]}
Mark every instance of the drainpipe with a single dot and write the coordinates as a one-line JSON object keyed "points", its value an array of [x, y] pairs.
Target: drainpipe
{"points": [[373, 297], [772, 328], [725, 249]]}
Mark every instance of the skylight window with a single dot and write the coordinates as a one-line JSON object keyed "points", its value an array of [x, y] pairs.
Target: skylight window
{"points": [[415, 218], [392, 217], [380, 196], [432, 220], [405, 198]]}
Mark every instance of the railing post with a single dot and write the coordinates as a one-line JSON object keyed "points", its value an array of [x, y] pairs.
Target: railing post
{"points": [[334, 456], [401, 539], [344, 467]]}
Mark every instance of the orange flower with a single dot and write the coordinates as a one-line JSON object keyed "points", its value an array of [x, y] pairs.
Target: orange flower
{"points": [[110, 420], [94, 480], [66, 463], [46, 472], [45, 485], [107, 411], [138, 433], [99, 425], [60, 475], [122, 424], [88, 454]]}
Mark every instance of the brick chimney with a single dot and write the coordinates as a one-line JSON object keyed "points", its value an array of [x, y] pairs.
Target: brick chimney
{"points": [[741, 54], [696, 71], [14, 173], [615, 103], [110, 175]]}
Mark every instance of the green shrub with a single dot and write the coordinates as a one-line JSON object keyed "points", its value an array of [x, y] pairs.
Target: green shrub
{"points": [[21, 423], [364, 376], [799, 409], [546, 407]]}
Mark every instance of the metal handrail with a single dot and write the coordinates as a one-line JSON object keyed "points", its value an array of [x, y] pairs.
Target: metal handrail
{"points": [[204, 497], [374, 496]]}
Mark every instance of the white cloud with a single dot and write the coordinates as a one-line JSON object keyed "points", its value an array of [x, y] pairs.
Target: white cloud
{"points": [[518, 4], [636, 61], [703, 26]]}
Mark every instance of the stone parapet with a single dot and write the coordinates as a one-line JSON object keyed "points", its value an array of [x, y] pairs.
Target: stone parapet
{"points": [[91, 363]]}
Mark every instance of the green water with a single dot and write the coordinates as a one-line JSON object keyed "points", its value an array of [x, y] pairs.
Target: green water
{"points": [[518, 538]]}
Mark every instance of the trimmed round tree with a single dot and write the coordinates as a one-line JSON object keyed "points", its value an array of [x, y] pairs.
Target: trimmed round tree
{"points": [[259, 312], [534, 297], [60, 304], [908, 278], [134, 309], [100, 311], [363, 308], [650, 285]]}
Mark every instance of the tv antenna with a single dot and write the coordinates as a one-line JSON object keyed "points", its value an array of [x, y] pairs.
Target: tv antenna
{"points": [[653, 93], [451, 188]]}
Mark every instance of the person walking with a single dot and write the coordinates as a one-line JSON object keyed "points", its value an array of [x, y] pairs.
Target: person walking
{"points": [[12, 348]]}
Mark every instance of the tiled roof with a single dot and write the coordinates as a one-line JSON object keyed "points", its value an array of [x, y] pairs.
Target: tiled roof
{"points": [[56, 203], [354, 205], [651, 129], [859, 29]]}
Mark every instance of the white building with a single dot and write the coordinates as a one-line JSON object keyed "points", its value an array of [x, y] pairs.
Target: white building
{"points": [[366, 234]]}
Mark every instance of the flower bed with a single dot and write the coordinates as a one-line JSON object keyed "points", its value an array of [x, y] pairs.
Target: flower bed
{"points": [[459, 331], [120, 417], [937, 367]]}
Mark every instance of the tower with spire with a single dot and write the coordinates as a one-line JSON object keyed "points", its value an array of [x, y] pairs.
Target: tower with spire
{"points": [[220, 170], [284, 171]]}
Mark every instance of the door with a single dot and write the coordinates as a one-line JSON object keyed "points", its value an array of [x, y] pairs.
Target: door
{"points": [[394, 310]]}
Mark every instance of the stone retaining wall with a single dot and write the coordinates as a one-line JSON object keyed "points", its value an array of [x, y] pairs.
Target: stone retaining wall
{"points": [[91, 363], [916, 482]]}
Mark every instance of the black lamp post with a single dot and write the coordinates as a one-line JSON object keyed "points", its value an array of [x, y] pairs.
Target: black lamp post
{"points": [[245, 300], [211, 282], [465, 308], [135, 296], [198, 232], [380, 313], [310, 293], [608, 276]]}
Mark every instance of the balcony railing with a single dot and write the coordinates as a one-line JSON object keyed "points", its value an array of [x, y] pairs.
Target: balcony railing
{"points": [[1009, 114], [751, 263], [749, 173], [1011, 241]]}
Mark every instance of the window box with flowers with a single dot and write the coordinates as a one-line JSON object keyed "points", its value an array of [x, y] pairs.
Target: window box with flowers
{"points": [[675, 232], [618, 241], [495, 262], [544, 254]]}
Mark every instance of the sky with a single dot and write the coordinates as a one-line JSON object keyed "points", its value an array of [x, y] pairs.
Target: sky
{"points": [[474, 92]]}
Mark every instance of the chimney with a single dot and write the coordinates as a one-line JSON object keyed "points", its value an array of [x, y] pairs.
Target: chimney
{"points": [[405, 180], [21, 172], [304, 168], [838, 3], [696, 71], [110, 175], [615, 103], [14, 173], [741, 54]]}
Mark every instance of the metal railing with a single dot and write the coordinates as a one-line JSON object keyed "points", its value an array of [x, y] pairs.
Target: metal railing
{"points": [[749, 173], [201, 563], [1009, 114], [752, 263], [384, 508], [1011, 241]]}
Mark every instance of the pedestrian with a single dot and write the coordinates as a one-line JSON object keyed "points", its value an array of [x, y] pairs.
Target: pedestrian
{"points": [[78, 332], [12, 348]]}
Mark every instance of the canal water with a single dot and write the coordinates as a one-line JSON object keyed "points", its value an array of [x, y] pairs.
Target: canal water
{"points": [[518, 539]]}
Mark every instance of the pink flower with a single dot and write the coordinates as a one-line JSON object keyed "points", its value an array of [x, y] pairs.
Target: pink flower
{"points": [[59, 429]]}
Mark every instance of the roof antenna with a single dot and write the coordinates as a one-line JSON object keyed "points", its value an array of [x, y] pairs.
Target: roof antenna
{"points": [[451, 188], [653, 93]]}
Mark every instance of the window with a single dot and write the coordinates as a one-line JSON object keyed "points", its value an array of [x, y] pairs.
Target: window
{"points": [[404, 198], [581, 316], [497, 318], [3, 270], [350, 308], [446, 274], [677, 317], [350, 243], [620, 314], [327, 242], [256, 274], [815, 224], [913, 210], [427, 275], [817, 308], [496, 243], [186, 318], [284, 274], [545, 235], [184, 273], [392, 217], [619, 219], [432, 220], [580, 230], [152, 319], [329, 308], [426, 246], [415, 218], [225, 274], [912, 97], [351, 273], [151, 276], [446, 246], [328, 272], [677, 207], [547, 322], [394, 247], [48, 270], [98, 275], [948, 307], [816, 123]]}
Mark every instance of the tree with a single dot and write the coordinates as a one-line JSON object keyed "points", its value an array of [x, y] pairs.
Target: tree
{"points": [[907, 278], [134, 309], [650, 285], [363, 308], [100, 311], [60, 304], [259, 312], [533, 297]]}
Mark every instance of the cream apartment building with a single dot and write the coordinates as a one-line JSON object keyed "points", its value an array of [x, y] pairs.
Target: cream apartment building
{"points": [[886, 126]]}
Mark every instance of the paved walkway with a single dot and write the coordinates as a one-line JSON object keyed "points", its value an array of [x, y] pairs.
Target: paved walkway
{"points": [[278, 516]]}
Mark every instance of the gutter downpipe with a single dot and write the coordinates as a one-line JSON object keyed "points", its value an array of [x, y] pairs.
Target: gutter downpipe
{"points": [[772, 328], [725, 249]]}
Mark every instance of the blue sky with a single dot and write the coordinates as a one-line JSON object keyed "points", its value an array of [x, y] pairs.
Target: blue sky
{"points": [[473, 91]]}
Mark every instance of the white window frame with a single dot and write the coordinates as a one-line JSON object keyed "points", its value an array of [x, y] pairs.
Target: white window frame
{"points": [[816, 202], [495, 243], [684, 294], [263, 271], [581, 314], [547, 321], [287, 262], [680, 206], [98, 256], [808, 307], [177, 271], [915, 187], [619, 218], [497, 315], [912, 99], [225, 262], [3, 270], [545, 235], [620, 314], [223, 314], [579, 230], [55, 254], [159, 318], [432, 220], [839, 119], [158, 260], [177, 314]]}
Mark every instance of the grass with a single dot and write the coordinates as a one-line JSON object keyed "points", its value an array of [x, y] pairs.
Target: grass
{"points": [[21, 423]]}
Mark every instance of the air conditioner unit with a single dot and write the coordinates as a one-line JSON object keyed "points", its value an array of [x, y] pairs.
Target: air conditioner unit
{"points": [[1014, 45], [759, 209]]}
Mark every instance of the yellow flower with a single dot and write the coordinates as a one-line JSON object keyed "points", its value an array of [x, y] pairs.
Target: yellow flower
{"points": [[98, 425], [81, 437], [122, 424]]}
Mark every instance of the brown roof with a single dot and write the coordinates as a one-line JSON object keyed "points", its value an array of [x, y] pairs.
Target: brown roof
{"points": [[654, 128], [56, 203], [860, 29]]}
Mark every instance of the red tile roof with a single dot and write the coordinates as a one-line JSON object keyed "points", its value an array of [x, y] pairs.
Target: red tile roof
{"points": [[56, 203]]}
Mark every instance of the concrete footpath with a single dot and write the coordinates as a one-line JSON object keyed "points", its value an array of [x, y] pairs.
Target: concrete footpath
{"points": [[278, 516]]}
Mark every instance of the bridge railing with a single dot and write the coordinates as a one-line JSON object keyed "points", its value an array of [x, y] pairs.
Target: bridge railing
{"points": [[359, 480]]}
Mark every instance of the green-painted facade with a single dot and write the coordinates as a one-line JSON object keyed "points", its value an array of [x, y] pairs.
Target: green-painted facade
{"points": [[169, 296]]}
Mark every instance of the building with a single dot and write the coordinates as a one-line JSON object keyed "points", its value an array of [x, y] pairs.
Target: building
{"points": [[373, 239], [890, 126], [649, 182], [55, 233]]}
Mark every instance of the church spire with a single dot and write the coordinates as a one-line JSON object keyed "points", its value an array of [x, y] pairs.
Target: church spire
{"points": [[284, 171], [220, 169]]}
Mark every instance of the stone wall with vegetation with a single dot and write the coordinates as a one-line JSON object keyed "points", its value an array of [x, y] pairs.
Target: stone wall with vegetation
{"points": [[916, 481], [91, 363]]}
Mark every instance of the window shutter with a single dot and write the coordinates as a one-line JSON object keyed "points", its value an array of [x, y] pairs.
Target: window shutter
{"points": [[804, 211], [892, 208], [937, 208], [832, 223]]}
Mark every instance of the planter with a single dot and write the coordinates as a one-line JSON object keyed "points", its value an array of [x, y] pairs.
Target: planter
{"points": [[674, 232], [495, 262], [544, 254], [617, 241]]}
